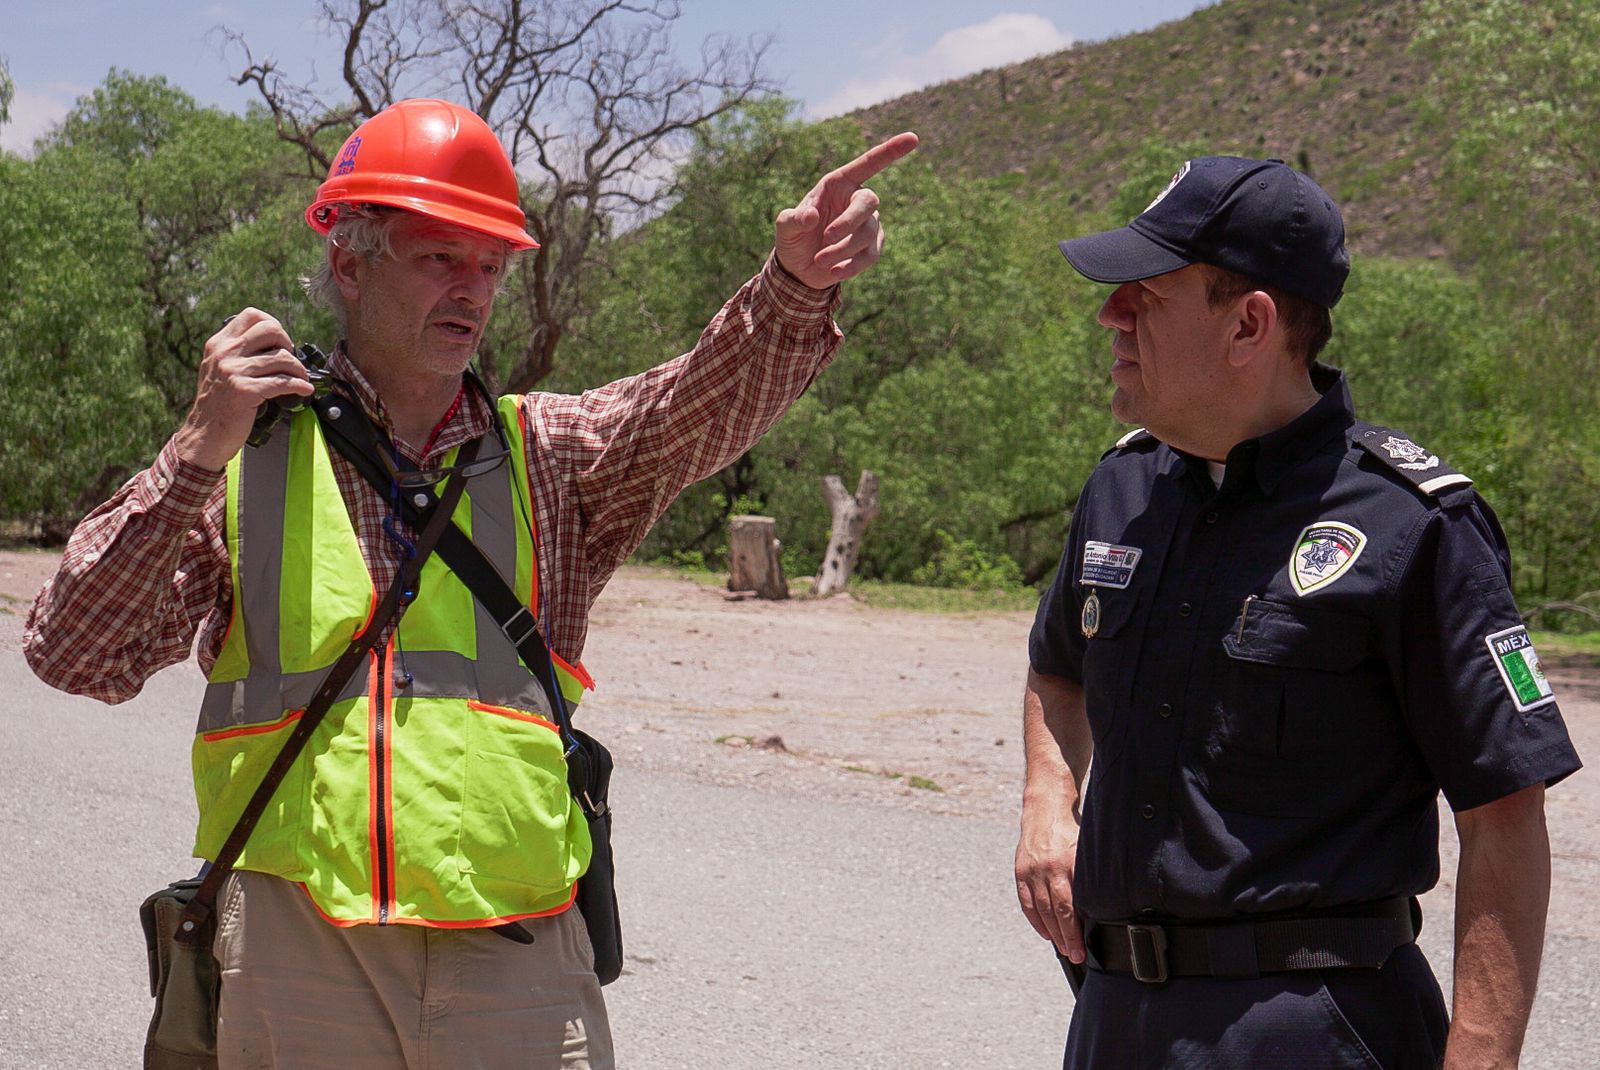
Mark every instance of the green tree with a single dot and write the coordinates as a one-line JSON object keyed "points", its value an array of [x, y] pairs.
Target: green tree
{"points": [[216, 198], [962, 382], [1519, 86], [1420, 355], [1521, 89], [142, 221], [77, 411]]}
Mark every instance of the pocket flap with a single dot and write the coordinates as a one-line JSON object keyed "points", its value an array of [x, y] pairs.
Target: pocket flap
{"points": [[1298, 637]]}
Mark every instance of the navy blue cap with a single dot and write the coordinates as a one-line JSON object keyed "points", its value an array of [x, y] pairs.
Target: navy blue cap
{"points": [[1260, 218]]}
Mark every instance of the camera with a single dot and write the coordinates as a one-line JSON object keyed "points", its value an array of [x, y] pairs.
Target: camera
{"points": [[274, 409]]}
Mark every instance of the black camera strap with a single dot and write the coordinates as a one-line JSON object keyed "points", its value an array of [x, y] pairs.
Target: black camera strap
{"points": [[353, 435], [588, 763], [393, 605]]}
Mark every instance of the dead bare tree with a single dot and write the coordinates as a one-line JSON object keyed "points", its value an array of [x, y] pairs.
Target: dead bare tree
{"points": [[851, 515], [588, 97]]}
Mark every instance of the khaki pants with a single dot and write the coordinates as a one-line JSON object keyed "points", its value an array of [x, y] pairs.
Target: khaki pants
{"points": [[301, 994]]}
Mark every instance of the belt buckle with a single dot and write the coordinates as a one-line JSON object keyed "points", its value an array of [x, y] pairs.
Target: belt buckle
{"points": [[1147, 949]]}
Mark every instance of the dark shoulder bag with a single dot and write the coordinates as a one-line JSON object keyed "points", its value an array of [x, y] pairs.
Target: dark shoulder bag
{"points": [[180, 920], [589, 764]]}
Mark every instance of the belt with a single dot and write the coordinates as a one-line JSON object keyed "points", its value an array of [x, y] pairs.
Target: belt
{"points": [[1363, 935]]}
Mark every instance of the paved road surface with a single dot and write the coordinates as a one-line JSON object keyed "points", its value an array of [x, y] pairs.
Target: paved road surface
{"points": [[762, 930]]}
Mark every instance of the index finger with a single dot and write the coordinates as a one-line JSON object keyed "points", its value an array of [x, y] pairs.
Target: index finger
{"points": [[252, 326], [877, 158], [247, 318]]}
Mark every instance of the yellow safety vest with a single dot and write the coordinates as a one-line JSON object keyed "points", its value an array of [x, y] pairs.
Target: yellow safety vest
{"points": [[441, 802]]}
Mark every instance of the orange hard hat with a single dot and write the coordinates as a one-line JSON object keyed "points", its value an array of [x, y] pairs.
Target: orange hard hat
{"points": [[430, 157]]}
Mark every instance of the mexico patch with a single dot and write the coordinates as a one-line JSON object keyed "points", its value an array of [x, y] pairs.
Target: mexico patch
{"points": [[1519, 668], [1324, 552], [1105, 565]]}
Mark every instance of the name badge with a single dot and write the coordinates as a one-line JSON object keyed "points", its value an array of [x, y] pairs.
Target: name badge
{"points": [[1106, 565]]}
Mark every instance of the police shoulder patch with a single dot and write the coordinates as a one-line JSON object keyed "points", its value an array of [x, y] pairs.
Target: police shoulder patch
{"points": [[1419, 467]]}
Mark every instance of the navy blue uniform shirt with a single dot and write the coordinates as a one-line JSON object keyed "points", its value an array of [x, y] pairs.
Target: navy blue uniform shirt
{"points": [[1282, 674]]}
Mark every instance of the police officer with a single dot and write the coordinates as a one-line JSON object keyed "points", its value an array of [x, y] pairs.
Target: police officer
{"points": [[1280, 632]]}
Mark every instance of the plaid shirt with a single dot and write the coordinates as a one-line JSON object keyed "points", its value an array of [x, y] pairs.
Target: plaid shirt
{"points": [[148, 570]]}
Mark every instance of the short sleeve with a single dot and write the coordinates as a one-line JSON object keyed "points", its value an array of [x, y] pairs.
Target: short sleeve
{"points": [[1475, 696], [1056, 644]]}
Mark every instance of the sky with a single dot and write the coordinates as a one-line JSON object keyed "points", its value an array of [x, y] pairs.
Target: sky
{"points": [[832, 55]]}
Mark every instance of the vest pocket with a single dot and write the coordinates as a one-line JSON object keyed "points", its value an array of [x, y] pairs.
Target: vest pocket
{"points": [[515, 806], [229, 764]]}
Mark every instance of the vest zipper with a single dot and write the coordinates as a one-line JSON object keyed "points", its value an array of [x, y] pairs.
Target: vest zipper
{"points": [[380, 757]]}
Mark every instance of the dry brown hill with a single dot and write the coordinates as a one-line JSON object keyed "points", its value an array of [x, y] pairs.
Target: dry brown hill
{"points": [[1329, 85]]}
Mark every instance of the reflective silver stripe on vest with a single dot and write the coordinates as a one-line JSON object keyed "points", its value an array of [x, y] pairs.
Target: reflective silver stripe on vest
{"points": [[497, 677], [259, 699], [263, 477], [494, 513], [435, 674], [442, 674], [501, 678]]}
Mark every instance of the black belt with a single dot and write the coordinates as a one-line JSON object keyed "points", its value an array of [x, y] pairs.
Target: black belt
{"points": [[1363, 935]]}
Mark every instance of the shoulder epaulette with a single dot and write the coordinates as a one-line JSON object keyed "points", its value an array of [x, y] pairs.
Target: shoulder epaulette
{"points": [[1416, 465], [1131, 437], [1137, 437]]}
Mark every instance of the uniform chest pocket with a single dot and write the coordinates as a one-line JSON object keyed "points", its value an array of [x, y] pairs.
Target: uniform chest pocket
{"points": [[1294, 709], [1109, 659], [1293, 636]]}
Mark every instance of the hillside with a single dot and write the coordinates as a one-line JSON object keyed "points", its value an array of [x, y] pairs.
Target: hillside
{"points": [[1328, 85]]}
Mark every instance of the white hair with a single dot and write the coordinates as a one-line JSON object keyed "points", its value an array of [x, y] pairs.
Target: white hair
{"points": [[367, 230]]}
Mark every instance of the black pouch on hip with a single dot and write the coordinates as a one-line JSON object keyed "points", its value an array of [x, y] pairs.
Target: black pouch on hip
{"points": [[185, 981], [589, 778]]}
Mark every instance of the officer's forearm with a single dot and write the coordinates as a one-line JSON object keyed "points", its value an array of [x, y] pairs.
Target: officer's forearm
{"points": [[1055, 739], [1502, 894]]}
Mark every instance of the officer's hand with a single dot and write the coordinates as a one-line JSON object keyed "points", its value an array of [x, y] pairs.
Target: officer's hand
{"points": [[247, 362], [1047, 852], [834, 232]]}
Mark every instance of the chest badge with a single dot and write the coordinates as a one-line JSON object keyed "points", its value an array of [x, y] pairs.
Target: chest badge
{"points": [[1106, 565], [1090, 621], [1324, 552]]}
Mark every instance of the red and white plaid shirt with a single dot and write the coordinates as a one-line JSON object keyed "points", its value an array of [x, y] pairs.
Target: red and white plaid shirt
{"points": [[146, 571]]}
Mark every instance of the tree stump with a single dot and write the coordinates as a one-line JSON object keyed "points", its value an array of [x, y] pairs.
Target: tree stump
{"points": [[753, 561], [851, 515]]}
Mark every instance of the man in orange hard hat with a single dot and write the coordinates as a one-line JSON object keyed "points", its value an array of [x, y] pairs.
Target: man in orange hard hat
{"points": [[428, 818]]}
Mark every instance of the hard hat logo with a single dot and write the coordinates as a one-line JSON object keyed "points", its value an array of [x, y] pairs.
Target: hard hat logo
{"points": [[347, 159], [430, 157]]}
